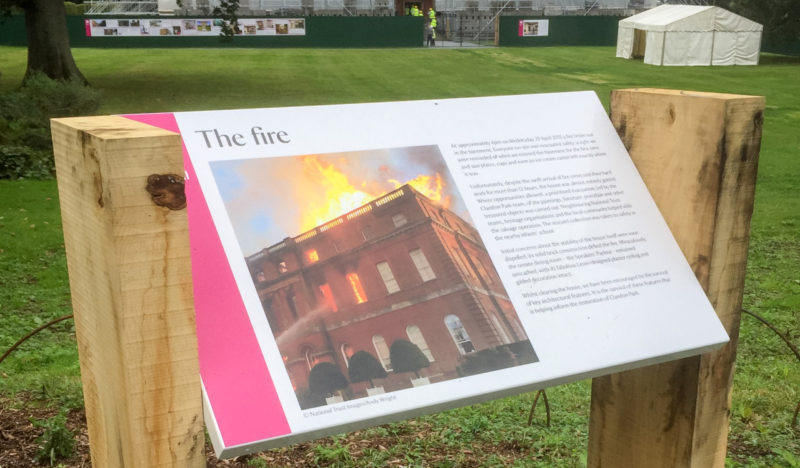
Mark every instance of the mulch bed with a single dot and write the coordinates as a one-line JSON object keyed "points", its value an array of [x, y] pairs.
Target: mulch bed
{"points": [[18, 434], [19, 447]]}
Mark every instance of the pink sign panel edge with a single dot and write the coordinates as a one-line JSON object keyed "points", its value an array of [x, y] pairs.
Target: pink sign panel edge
{"points": [[236, 379]]}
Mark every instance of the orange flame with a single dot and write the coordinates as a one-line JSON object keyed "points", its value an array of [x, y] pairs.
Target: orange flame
{"points": [[342, 196], [430, 186]]}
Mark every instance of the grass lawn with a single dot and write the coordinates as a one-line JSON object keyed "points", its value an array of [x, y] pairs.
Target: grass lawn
{"points": [[33, 277]]}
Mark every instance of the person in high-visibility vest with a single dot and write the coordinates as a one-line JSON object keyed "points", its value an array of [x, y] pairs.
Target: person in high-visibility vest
{"points": [[431, 14], [415, 10], [432, 33]]}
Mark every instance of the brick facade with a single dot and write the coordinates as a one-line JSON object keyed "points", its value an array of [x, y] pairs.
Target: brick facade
{"points": [[396, 263]]}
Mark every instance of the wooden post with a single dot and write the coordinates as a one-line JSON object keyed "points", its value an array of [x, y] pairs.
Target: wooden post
{"points": [[697, 153], [130, 276]]}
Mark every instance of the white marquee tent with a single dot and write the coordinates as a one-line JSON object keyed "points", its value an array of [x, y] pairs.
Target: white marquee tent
{"points": [[689, 35]]}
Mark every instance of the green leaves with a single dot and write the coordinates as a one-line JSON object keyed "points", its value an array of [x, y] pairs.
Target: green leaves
{"points": [[56, 442]]}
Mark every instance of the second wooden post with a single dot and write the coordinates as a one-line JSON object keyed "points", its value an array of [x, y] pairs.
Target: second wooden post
{"points": [[697, 153]]}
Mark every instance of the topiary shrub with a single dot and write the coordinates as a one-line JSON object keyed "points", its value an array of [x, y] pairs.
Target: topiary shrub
{"points": [[364, 367], [326, 379], [486, 360], [25, 142], [523, 352], [307, 399], [407, 357]]}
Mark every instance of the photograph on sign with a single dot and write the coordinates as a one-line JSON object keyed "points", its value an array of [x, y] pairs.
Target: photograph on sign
{"points": [[348, 273], [390, 222]]}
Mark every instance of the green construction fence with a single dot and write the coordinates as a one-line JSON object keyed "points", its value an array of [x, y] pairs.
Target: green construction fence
{"points": [[321, 31], [562, 31]]}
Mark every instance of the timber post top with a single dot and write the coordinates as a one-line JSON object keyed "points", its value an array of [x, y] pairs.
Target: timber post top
{"points": [[697, 94], [113, 127]]}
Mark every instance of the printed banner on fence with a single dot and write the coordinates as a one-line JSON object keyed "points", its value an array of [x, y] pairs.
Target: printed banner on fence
{"points": [[349, 273], [534, 27], [102, 27]]}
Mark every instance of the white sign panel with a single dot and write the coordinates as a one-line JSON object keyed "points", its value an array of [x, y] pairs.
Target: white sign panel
{"points": [[351, 272]]}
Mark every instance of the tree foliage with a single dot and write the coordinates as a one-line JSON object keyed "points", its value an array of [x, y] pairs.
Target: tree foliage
{"points": [[26, 149], [781, 18], [407, 357], [364, 367], [228, 12], [326, 378]]}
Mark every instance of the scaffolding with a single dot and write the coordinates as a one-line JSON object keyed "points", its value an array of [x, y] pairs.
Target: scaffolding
{"points": [[120, 7], [379, 7]]}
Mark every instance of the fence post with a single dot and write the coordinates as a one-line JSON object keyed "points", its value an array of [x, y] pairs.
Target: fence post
{"points": [[130, 276], [698, 154]]}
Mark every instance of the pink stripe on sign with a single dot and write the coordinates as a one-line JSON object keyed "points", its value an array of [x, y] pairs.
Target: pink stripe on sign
{"points": [[236, 378], [88, 27]]}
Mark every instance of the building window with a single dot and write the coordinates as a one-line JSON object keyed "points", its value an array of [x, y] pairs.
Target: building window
{"points": [[358, 290], [282, 268], [347, 353], [415, 336], [312, 256], [311, 360], [388, 278], [399, 219], [291, 301], [367, 233], [382, 351], [327, 294], [423, 267], [459, 334]]}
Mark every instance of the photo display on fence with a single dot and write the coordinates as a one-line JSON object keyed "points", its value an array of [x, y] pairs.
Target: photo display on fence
{"points": [[359, 264], [160, 27]]}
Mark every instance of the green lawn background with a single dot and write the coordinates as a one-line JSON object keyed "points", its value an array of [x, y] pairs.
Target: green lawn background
{"points": [[33, 279]]}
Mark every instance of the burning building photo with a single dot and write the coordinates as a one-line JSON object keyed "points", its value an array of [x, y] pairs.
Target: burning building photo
{"points": [[370, 273]]}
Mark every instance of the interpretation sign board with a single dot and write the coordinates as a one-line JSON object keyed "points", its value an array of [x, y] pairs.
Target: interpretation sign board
{"points": [[348, 272], [534, 27]]}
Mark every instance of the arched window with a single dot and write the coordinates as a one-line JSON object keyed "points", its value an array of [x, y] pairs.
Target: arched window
{"points": [[308, 354], [347, 353], [415, 336], [459, 334], [382, 351]]}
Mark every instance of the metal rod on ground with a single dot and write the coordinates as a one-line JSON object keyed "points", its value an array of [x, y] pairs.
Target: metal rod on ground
{"points": [[546, 407], [37, 330]]}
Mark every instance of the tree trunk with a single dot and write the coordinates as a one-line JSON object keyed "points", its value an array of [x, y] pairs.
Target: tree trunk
{"points": [[48, 41]]}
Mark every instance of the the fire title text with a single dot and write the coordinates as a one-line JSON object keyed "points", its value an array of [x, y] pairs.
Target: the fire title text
{"points": [[213, 138]]}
